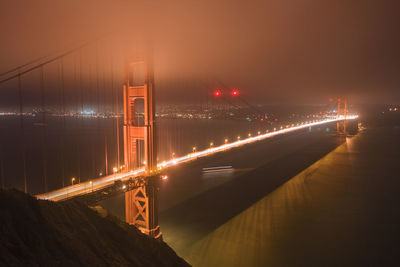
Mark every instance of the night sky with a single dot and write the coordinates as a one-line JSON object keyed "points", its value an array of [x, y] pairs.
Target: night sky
{"points": [[274, 51]]}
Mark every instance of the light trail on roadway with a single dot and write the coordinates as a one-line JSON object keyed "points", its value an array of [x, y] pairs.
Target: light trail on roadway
{"points": [[100, 183]]}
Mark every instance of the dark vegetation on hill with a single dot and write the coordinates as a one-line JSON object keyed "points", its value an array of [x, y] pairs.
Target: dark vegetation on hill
{"points": [[43, 233]]}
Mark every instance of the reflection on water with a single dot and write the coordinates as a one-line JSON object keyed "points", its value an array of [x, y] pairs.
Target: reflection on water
{"points": [[325, 216]]}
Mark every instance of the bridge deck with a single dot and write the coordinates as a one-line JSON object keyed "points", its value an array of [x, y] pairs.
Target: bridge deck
{"points": [[103, 182]]}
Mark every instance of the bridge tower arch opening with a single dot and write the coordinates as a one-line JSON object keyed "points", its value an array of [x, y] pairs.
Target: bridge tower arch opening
{"points": [[139, 144]]}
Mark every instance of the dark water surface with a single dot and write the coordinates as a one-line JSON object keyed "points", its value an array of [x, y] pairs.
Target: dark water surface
{"points": [[341, 211]]}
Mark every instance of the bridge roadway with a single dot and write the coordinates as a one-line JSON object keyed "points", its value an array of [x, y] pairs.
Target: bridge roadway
{"points": [[103, 182]]}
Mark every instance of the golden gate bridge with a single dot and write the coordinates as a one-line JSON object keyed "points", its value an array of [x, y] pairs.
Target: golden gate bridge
{"points": [[138, 177]]}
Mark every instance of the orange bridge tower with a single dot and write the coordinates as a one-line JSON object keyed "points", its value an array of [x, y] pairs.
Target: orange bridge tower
{"points": [[140, 146], [341, 112]]}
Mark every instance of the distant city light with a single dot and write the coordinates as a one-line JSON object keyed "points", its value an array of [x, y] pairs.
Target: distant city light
{"points": [[88, 112]]}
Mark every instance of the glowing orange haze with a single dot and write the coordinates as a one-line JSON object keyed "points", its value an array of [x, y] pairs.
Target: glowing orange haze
{"points": [[275, 50]]}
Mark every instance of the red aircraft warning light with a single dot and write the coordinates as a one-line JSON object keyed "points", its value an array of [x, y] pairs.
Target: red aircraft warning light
{"points": [[235, 92], [217, 92]]}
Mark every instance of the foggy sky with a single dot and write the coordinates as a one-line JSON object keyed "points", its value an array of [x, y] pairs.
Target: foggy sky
{"points": [[274, 51]]}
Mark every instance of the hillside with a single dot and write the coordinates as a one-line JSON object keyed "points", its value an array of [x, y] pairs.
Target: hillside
{"points": [[43, 233]]}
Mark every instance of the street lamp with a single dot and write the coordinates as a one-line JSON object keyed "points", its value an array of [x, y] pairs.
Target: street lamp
{"points": [[73, 180], [194, 149]]}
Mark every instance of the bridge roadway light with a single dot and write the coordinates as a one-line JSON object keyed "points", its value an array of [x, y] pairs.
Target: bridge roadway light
{"points": [[211, 144], [258, 132], [238, 137], [226, 140], [73, 180], [115, 169], [249, 135], [194, 149], [91, 184]]}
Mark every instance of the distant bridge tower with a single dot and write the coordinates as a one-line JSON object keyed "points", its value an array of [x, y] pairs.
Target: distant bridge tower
{"points": [[139, 144], [341, 112]]}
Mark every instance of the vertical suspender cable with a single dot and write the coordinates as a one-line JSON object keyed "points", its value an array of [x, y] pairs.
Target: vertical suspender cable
{"points": [[63, 123], [112, 100], [116, 118], [97, 91], [21, 120], [105, 117], [81, 93], [44, 145], [77, 140], [3, 184], [92, 135], [105, 148]]}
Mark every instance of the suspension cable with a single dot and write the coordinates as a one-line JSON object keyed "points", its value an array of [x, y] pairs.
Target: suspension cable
{"points": [[44, 63], [44, 145], [21, 120]]}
